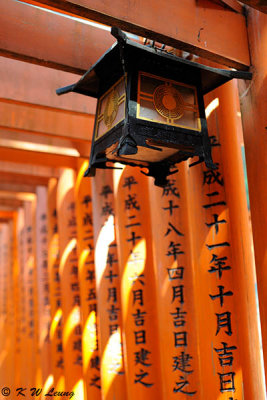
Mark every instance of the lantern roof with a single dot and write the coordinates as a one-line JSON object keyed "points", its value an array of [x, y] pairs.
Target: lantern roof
{"points": [[111, 66]]}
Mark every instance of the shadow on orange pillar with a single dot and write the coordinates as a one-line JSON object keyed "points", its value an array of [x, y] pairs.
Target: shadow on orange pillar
{"points": [[68, 271], [85, 246], [43, 285], [175, 288], [108, 286], [139, 310], [253, 98], [56, 333]]}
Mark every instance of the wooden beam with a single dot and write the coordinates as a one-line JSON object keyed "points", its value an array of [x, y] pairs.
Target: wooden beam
{"points": [[33, 35], [10, 203], [233, 5], [8, 208], [15, 187], [17, 178], [26, 170], [33, 157], [26, 174], [6, 194], [63, 144], [20, 81], [198, 27], [42, 143], [26, 117], [5, 216], [260, 5]]}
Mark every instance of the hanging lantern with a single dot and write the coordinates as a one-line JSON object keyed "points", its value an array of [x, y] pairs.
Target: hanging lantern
{"points": [[150, 110]]}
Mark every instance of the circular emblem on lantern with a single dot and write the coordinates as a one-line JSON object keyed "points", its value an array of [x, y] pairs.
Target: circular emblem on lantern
{"points": [[111, 108], [168, 102]]}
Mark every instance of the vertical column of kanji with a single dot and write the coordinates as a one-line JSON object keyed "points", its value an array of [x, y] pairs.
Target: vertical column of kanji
{"points": [[30, 277], [20, 372], [243, 258], [29, 301], [56, 332], [68, 271], [221, 374], [43, 284], [108, 288], [253, 98], [175, 289], [89, 343], [139, 311]]}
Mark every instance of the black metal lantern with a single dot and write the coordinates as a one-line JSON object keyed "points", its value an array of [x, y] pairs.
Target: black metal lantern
{"points": [[150, 110]]}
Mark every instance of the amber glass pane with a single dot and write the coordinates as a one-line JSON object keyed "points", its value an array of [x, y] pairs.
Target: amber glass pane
{"points": [[167, 102], [111, 108]]}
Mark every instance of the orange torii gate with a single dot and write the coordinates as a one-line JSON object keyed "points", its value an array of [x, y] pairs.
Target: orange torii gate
{"points": [[189, 317]]}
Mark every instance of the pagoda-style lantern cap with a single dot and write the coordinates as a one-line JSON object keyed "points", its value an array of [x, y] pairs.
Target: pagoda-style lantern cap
{"points": [[150, 110]]}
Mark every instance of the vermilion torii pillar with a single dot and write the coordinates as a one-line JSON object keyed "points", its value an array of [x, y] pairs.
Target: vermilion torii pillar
{"points": [[43, 285], [138, 297], [253, 99], [56, 328], [108, 288], [70, 290], [86, 272]]}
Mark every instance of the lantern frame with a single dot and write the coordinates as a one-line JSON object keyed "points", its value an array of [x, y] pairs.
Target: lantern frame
{"points": [[134, 140]]}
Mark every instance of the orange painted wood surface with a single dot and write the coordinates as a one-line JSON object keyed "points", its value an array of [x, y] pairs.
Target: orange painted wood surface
{"points": [[44, 316], [30, 118], [233, 5], [48, 39], [40, 91], [108, 288], [214, 289], [37, 158], [176, 297], [253, 99], [56, 331], [16, 300], [43, 143], [89, 343], [244, 273], [139, 311], [28, 174], [258, 4], [22, 378], [7, 318], [201, 25], [32, 362], [68, 272]]}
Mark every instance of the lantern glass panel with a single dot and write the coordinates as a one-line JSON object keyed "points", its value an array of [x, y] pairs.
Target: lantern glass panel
{"points": [[167, 102], [111, 108]]}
